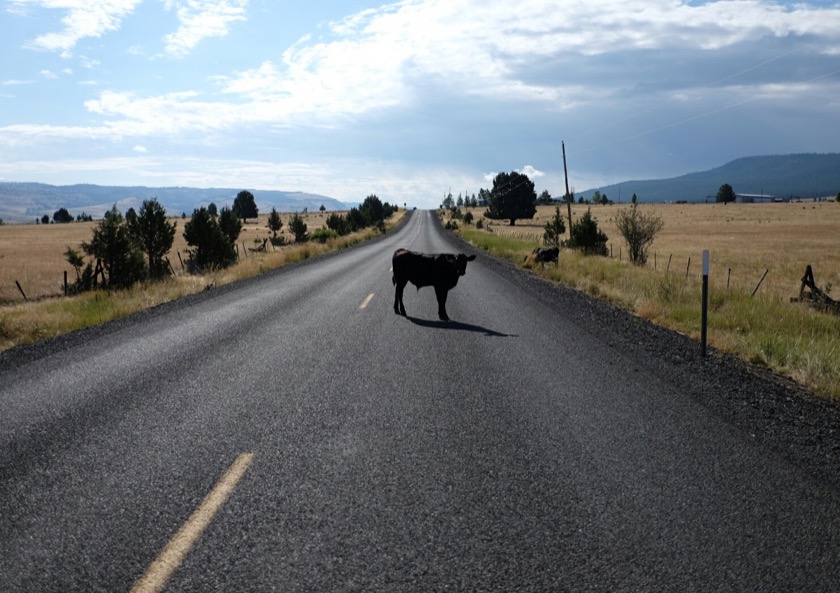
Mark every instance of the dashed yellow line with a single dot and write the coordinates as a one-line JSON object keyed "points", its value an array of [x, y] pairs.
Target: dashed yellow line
{"points": [[179, 546], [367, 301]]}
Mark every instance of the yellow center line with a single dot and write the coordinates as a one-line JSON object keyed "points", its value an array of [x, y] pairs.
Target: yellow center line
{"points": [[182, 542], [367, 301]]}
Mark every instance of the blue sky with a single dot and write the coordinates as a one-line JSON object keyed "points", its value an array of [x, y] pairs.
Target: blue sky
{"points": [[410, 99]]}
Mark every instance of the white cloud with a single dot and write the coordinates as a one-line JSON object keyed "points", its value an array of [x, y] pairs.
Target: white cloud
{"points": [[201, 19], [140, 149], [389, 57], [84, 18], [88, 63], [503, 62], [531, 172]]}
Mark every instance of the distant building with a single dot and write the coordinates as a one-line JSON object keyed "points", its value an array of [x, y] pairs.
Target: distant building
{"points": [[750, 198]]}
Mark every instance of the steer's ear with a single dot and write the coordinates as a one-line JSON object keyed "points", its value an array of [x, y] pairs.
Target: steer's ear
{"points": [[470, 257]]}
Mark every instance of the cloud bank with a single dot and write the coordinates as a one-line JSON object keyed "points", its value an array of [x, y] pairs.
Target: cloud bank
{"points": [[481, 85]]}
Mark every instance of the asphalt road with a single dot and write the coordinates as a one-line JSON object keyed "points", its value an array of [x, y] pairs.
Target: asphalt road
{"points": [[519, 447]]}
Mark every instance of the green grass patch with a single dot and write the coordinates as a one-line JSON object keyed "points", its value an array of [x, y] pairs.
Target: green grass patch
{"points": [[508, 248]]}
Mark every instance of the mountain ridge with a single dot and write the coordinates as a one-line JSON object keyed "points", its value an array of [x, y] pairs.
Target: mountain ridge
{"points": [[26, 201], [802, 175]]}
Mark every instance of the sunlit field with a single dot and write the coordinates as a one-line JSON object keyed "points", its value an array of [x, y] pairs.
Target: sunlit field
{"points": [[33, 254], [748, 317], [744, 241]]}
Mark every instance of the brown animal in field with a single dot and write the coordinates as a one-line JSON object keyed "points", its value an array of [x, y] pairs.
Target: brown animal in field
{"points": [[440, 270]]}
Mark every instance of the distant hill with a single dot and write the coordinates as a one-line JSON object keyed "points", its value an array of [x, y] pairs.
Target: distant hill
{"points": [[783, 176], [24, 202]]}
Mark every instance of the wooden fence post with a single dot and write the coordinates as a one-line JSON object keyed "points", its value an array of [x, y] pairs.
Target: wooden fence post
{"points": [[21, 291], [759, 283], [687, 268]]}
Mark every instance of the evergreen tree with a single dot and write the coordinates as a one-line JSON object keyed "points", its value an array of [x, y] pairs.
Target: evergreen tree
{"points": [[513, 197], [244, 205], [338, 223], [62, 216], [298, 228], [554, 229], [230, 224], [113, 246], [275, 223], [154, 234], [373, 210], [586, 236], [211, 248], [356, 219], [725, 194]]}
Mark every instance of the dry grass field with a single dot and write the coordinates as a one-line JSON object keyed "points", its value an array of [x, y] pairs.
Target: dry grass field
{"points": [[744, 241], [33, 254]]}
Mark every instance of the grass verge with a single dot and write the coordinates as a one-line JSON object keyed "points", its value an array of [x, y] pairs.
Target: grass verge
{"points": [[790, 339]]}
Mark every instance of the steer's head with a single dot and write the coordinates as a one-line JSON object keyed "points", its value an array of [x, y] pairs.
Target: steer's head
{"points": [[461, 263]]}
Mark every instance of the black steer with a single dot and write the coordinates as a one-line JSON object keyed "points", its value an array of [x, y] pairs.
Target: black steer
{"points": [[439, 270], [543, 254]]}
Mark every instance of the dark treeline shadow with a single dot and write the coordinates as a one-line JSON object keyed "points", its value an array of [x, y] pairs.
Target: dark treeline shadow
{"points": [[457, 325]]}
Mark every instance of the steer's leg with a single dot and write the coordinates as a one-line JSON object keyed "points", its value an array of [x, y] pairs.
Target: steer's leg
{"points": [[399, 308], [441, 299]]}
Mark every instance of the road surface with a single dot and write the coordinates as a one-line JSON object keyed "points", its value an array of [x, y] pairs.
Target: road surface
{"points": [[291, 433]]}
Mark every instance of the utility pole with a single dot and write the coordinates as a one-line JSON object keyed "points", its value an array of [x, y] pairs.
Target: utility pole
{"points": [[568, 197]]}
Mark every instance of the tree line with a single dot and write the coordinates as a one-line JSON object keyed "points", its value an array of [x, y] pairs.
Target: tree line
{"points": [[125, 250], [513, 198]]}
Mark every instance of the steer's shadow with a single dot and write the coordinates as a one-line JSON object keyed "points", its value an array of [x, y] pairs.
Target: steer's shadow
{"points": [[458, 326]]}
